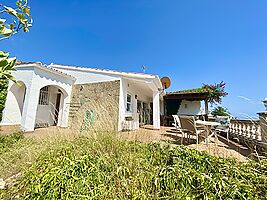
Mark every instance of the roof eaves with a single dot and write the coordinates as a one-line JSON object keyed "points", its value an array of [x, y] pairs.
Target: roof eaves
{"points": [[190, 91], [107, 71], [43, 67]]}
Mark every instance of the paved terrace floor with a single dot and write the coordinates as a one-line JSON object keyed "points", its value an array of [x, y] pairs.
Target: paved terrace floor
{"points": [[166, 135], [172, 137]]}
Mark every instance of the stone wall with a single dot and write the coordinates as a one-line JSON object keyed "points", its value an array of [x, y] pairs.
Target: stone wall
{"points": [[95, 106]]}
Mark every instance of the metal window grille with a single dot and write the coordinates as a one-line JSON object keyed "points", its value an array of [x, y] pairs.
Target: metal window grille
{"points": [[129, 103], [43, 98]]}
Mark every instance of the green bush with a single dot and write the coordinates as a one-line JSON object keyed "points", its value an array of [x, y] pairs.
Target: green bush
{"points": [[107, 168], [220, 111], [3, 94]]}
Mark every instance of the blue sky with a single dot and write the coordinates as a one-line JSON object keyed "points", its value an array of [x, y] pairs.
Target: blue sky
{"points": [[191, 41]]}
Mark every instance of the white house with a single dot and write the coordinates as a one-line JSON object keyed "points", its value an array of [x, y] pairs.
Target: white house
{"points": [[57, 95]]}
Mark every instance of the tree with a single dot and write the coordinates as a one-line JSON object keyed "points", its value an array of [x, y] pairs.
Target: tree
{"points": [[3, 93], [6, 65], [220, 111], [12, 20], [215, 92]]}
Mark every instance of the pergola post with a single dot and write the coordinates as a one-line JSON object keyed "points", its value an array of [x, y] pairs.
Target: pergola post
{"points": [[156, 110], [206, 109]]}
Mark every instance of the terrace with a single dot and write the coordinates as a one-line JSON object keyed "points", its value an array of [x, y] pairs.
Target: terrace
{"points": [[242, 139]]}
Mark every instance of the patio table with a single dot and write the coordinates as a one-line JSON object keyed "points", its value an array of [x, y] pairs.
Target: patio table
{"points": [[209, 125]]}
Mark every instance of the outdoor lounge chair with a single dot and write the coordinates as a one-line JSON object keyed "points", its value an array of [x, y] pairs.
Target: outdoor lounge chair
{"points": [[188, 126]]}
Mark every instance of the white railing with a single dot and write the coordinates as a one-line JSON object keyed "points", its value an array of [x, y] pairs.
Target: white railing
{"points": [[246, 129]]}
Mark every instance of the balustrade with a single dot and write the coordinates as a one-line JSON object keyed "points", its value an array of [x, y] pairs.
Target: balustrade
{"points": [[246, 129]]}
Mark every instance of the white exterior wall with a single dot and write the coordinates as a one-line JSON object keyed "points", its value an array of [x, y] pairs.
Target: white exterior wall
{"points": [[34, 79], [128, 87], [83, 77], [156, 109], [15, 99], [12, 114], [122, 107], [190, 108], [142, 90], [42, 79]]}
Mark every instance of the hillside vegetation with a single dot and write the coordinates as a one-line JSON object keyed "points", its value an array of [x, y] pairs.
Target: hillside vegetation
{"points": [[105, 167], [3, 94]]}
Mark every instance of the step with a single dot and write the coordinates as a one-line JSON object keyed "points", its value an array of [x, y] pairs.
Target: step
{"points": [[245, 151]]}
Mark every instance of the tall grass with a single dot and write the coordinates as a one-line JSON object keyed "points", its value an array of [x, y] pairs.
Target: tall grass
{"points": [[104, 167], [7, 141]]}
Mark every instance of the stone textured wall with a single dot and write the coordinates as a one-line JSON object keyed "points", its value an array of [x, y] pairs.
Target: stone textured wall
{"points": [[95, 106]]}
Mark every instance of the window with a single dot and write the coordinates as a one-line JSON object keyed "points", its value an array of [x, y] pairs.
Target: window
{"points": [[43, 98], [129, 103]]}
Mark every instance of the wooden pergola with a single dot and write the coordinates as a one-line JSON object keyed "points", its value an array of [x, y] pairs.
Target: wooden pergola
{"points": [[189, 95]]}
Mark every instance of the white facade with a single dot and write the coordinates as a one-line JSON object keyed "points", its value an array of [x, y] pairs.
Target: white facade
{"points": [[140, 86], [190, 108], [42, 95], [23, 97], [140, 91]]}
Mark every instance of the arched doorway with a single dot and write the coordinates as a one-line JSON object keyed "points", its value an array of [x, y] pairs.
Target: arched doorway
{"points": [[16, 97], [50, 106]]}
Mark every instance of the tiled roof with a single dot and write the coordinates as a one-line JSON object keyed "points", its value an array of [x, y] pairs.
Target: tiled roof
{"points": [[198, 94], [58, 71], [20, 62], [190, 91]]}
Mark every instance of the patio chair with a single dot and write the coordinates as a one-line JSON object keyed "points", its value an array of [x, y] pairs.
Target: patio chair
{"points": [[225, 124], [176, 123], [177, 126], [188, 126]]}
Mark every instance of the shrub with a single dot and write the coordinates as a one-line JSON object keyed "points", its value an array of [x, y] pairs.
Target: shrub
{"points": [[220, 111], [3, 94], [215, 92]]}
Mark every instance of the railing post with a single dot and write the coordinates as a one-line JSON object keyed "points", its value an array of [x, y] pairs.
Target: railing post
{"points": [[243, 129], [263, 122], [235, 128], [247, 133], [263, 125], [250, 130], [258, 133], [240, 129]]}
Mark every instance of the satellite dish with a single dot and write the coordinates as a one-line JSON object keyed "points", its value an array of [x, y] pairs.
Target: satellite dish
{"points": [[166, 82]]}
